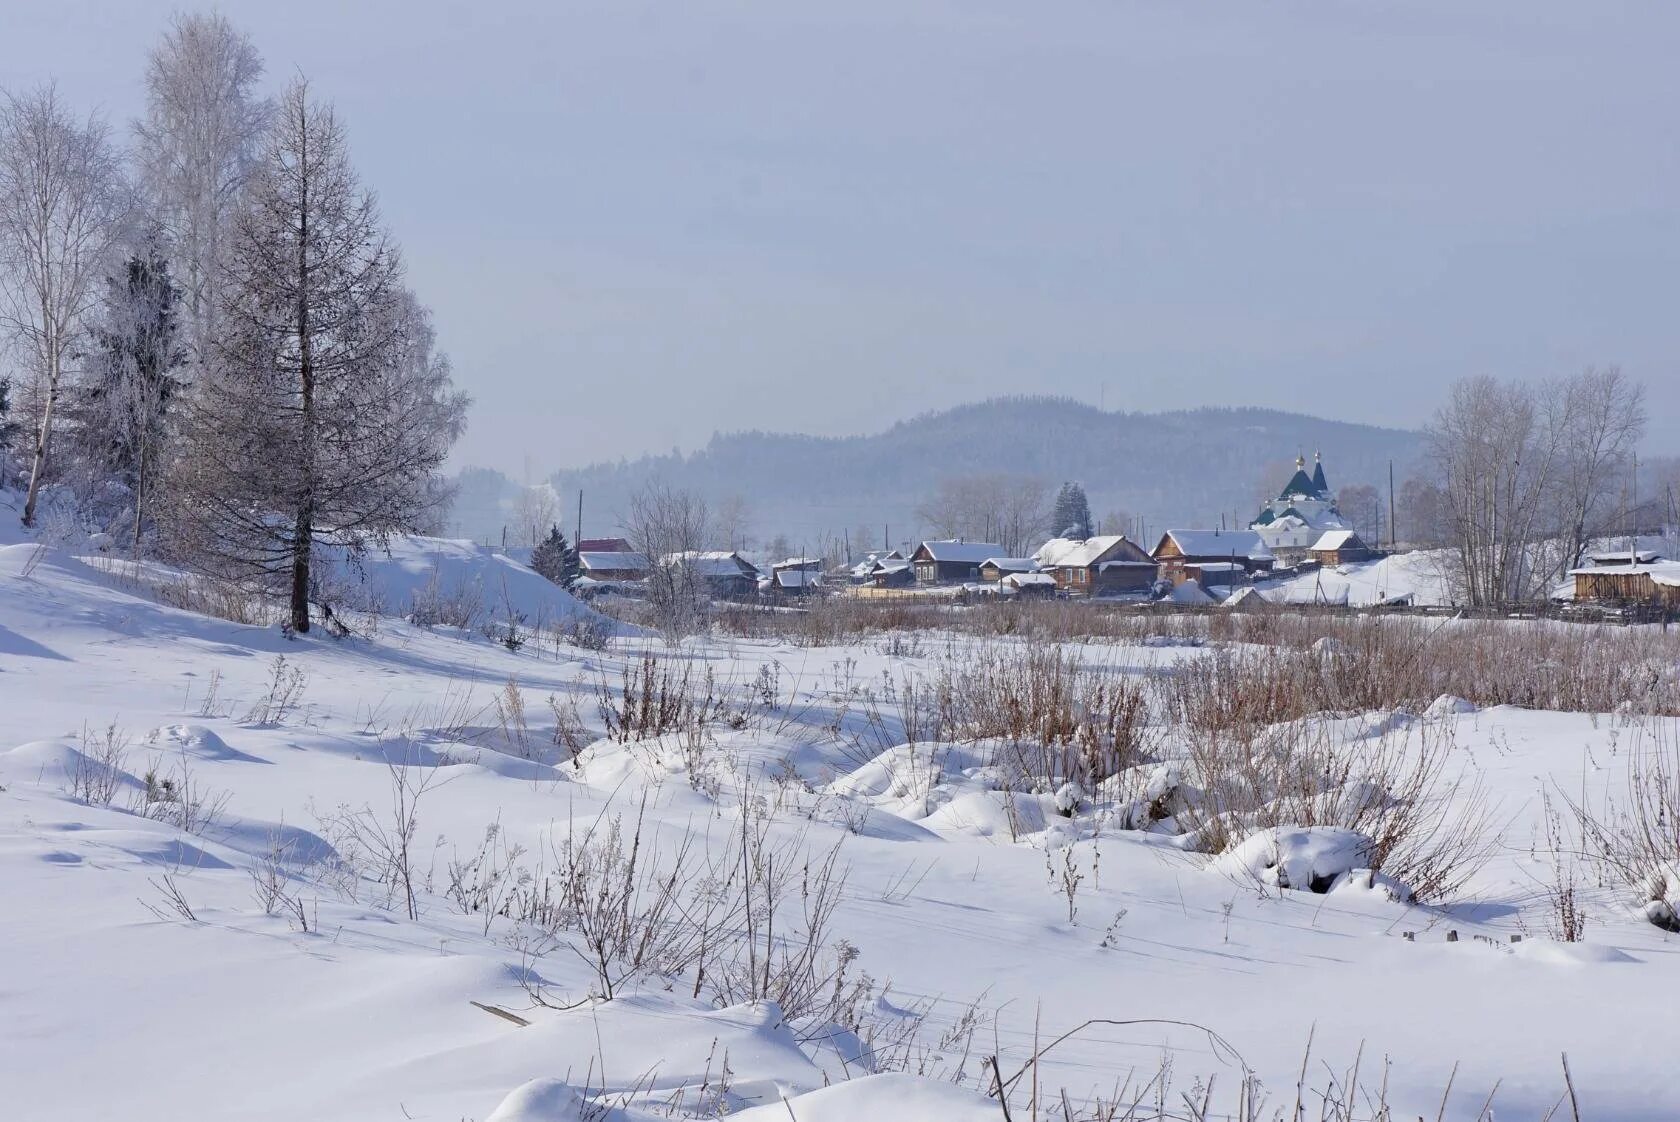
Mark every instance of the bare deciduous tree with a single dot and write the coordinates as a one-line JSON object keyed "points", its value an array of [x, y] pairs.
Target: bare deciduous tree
{"points": [[197, 144], [996, 508], [535, 512], [64, 205], [325, 408], [1602, 419], [1529, 475], [664, 524], [1497, 453]]}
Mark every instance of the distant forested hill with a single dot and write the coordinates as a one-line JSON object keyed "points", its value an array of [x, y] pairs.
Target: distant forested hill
{"points": [[1180, 468]]}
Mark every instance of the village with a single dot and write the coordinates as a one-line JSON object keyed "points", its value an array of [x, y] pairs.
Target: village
{"points": [[1299, 534]]}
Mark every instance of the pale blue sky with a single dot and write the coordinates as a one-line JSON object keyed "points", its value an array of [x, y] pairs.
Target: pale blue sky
{"points": [[638, 223]]}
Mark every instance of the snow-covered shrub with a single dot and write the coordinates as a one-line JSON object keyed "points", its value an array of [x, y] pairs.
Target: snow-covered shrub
{"points": [[1637, 841]]}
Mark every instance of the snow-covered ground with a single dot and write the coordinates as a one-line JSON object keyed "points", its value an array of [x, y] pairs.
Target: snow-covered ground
{"points": [[1362, 584], [113, 1003]]}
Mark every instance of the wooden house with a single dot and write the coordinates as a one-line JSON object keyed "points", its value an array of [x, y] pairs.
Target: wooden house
{"points": [[1179, 549], [865, 571], [1656, 582], [724, 574], [612, 565], [1029, 585], [951, 562], [795, 577], [1220, 576], [603, 545], [1339, 547], [994, 569], [1097, 566]]}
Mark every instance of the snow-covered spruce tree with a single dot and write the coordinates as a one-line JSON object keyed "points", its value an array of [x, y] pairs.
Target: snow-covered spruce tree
{"points": [[196, 145], [324, 409], [1071, 516], [64, 206], [120, 410], [555, 559], [9, 430]]}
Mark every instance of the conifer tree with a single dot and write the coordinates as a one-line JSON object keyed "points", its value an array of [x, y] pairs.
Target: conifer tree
{"points": [[555, 559]]}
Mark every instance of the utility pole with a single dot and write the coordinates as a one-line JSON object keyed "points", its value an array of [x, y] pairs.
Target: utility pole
{"points": [[577, 531], [1391, 537]]}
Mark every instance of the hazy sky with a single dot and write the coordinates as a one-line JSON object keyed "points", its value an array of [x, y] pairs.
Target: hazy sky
{"points": [[639, 223]]}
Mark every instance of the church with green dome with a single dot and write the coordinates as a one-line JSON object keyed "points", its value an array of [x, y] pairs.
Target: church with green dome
{"points": [[1303, 512]]}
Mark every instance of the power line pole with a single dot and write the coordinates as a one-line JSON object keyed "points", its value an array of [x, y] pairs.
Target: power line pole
{"points": [[1391, 536], [577, 532]]}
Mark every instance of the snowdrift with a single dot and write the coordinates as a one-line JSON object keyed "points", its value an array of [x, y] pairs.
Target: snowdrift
{"points": [[411, 569]]}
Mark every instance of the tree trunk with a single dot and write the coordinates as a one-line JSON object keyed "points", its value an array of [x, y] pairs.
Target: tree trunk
{"points": [[303, 537], [38, 463]]}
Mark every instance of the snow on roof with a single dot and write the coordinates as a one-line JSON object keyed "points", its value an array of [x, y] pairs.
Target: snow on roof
{"points": [[1030, 580], [1220, 543], [1073, 553], [1621, 557], [1665, 573], [1219, 566], [1247, 594], [1337, 539], [612, 560], [798, 563], [797, 578], [713, 563], [1106, 565], [959, 551], [1010, 564]]}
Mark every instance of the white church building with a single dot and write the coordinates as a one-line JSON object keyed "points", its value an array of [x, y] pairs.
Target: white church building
{"points": [[1303, 512]]}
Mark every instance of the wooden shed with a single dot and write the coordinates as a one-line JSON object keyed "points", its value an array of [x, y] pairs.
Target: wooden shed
{"points": [[1657, 582], [1339, 547]]}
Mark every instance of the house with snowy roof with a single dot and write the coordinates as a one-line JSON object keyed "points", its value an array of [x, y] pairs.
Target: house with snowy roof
{"points": [[952, 561], [1111, 563], [994, 569], [1303, 512], [1339, 547], [723, 573], [1181, 553]]}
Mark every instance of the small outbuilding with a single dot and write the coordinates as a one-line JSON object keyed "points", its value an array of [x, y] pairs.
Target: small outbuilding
{"points": [[1655, 582], [1339, 547]]}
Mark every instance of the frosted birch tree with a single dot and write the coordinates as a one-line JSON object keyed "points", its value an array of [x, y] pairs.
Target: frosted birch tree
{"points": [[64, 206], [196, 145], [324, 408]]}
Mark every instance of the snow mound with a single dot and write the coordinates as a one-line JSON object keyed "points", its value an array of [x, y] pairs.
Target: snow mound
{"points": [[1309, 859], [1449, 706], [540, 1100], [1329, 646], [893, 1097], [410, 569], [1190, 592]]}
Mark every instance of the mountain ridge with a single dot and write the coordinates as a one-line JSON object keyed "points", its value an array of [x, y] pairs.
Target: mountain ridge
{"points": [[1183, 467]]}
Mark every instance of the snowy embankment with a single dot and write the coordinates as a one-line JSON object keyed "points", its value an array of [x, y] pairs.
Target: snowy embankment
{"points": [[1415, 577], [201, 913]]}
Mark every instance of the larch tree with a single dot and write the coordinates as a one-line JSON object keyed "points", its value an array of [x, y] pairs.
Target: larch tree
{"points": [[324, 409], [64, 207], [196, 146]]}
